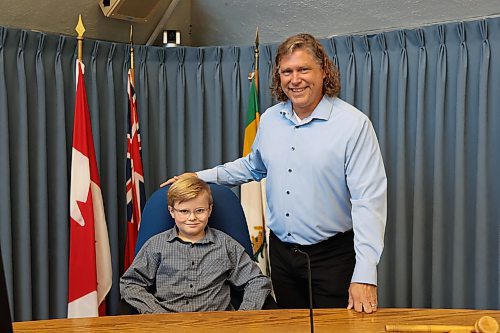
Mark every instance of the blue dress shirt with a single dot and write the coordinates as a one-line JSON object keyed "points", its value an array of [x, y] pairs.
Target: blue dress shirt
{"points": [[324, 175]]}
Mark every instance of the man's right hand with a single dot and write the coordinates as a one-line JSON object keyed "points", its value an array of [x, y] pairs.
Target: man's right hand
{"points": [[175, 178]]}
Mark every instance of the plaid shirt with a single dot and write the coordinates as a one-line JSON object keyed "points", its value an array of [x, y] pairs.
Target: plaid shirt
{"points": [[171, 275]]}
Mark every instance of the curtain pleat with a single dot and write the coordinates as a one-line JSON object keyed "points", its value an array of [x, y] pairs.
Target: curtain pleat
{"points": [[381, 95], [58, 178], [142, 88], [109, 170], [438, 231], [335, 58], [400, 190], [232, 77], [266, 63], [366, 81], [216, 106], [194, 131], [431, 93], [180, 114], [229, 94], [38, 197], [349, 87], [420, 247], [459, 254], [21, 210], [482, 298], [162, 123], [92, 81], [121, 150]]}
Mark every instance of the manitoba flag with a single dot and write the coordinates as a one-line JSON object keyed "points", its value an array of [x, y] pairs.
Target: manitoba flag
{"points": [[135, 175], [89, 254]]}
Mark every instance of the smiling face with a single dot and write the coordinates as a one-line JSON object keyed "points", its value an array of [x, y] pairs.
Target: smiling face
{"points": [[191, 217], [302, 81]]}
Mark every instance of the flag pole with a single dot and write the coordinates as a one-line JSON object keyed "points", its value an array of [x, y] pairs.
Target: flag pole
{"points": [[132, 70], [256, 78], [256, 54], [80, 30], [134, 187]]}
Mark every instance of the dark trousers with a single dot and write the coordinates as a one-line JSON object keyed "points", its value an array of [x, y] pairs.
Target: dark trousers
{"points": [[332, 265]]}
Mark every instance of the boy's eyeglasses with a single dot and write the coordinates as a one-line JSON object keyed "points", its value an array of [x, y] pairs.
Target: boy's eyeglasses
{"points": [[198, 212]]}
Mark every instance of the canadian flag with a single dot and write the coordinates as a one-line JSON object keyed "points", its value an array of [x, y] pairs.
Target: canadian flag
{"points": [[89, 254]]}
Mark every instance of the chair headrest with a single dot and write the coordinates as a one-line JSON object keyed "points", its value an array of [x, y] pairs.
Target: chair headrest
{"points": [[227, 216]]}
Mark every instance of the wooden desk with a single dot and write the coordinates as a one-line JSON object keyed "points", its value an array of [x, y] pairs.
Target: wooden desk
{"points": [[274, 321]]}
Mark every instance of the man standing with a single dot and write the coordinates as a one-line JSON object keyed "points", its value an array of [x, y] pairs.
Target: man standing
{"points": [[326, 184]]}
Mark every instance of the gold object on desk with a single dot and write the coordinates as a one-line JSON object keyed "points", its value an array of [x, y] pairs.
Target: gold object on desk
{"points": [[485, 324]]}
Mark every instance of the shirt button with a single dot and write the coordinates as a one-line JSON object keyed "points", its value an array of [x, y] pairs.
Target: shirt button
{"points": [[289, 170], [293, 148], [287, 192], [192, 263], [287, 214], [190, 286], [289, 234]]}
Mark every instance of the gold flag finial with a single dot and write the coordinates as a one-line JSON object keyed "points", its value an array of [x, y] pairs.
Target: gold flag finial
{"points": [[80, 30]]}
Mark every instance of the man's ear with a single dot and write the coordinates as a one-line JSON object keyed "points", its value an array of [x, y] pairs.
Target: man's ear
{"points": [[171, 211]]}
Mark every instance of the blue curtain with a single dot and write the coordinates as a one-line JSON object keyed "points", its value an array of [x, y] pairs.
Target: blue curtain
{"points": [[430, 92]]}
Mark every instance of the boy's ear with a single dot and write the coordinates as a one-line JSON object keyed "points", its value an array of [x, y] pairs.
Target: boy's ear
{"points": [[171, 211]]}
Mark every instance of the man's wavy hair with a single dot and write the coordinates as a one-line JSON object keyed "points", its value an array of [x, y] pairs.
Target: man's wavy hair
{"points": [[331, 82]]}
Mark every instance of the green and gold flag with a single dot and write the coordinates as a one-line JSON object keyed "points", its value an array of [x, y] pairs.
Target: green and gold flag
{"points": [[252, 198]]}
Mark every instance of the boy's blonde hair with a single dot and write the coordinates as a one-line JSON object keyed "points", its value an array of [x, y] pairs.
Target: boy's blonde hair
{"points": [[186, 188]]}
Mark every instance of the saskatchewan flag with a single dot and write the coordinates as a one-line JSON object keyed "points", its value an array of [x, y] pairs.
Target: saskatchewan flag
{"points": [[252, 198]]}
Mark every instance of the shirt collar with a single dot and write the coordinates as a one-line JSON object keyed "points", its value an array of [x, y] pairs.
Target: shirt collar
{"points": [[322, 111], [209, 236]]}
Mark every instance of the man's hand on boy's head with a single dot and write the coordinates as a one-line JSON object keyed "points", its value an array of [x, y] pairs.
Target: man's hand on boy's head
{"points": [[175, 178], [169, 181]]}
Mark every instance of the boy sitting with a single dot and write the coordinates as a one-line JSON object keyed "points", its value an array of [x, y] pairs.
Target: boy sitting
{"points": [[188, 267]]}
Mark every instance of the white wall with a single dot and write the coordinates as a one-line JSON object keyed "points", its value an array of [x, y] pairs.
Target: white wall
{"points": [[233, 22]]}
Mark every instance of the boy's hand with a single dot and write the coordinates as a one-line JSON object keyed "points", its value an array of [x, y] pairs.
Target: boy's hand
{"points": [[175, 178]]}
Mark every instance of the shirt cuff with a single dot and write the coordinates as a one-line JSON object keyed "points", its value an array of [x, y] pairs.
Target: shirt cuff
{"points": [[365, 273], [247, 305]]}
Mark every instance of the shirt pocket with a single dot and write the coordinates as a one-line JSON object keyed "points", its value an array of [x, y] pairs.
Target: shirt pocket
{"points": [[173, 271], [215, 270]]}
